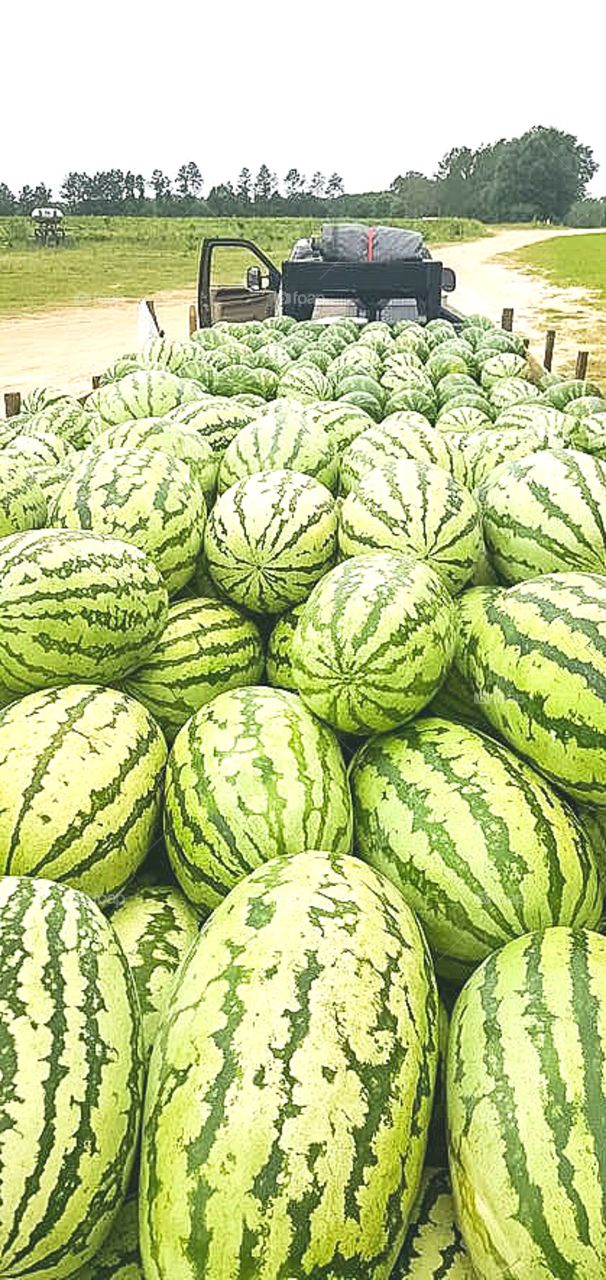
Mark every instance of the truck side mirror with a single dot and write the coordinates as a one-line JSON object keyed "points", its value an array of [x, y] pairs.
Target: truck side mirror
{"points": [[449, 280]]}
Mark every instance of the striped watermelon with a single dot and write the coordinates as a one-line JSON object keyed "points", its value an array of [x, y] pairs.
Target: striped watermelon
{"points": [[343, 421], [402, 435], [281, 438], [433, 1248], [217, 420], [68, 419], [478, 844], [94, 835], [72, 1078], [270, 538], [119, 1257], [374, 642], [251, 776], [143, 497], [43, 450], [148, 393], [545, 513], [156, 926], [22, 502], [527, 1109], [51, 480], [419, 510], [206, 648], [279, 649], [180, 442], [183, 358], [291, 1082], [484, 451], [50, 577], [593, 822], [536, 658]]}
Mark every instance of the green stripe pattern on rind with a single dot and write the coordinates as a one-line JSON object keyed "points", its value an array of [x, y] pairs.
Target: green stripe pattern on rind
{"points": [[291, 1082], [180, 442], [278, 666], [22, 502], [479, 845], [72, 1077], [419, 510], [144, 394], [433, 1248], [75, 606], [142, 496], [206, 648], [342, 420], [536, 657], [156, 926], [68, 419], [270, 538], [281, 437], [526, 1085], [217, 420], [43, 450], [119, 1257], [81, 776], [252, 776], [401, 435], [374, 642], [546, 513]]}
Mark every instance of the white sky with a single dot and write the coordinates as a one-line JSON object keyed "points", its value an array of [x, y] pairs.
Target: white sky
{"points": [[367, 89]]}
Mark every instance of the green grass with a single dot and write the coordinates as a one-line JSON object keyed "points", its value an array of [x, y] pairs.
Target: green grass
{"points": [[137, 257], [569, 261]]}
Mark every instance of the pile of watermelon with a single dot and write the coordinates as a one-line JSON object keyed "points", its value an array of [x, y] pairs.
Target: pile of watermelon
{"points": [[303, 812]]}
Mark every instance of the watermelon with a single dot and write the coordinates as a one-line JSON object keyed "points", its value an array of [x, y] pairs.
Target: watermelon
{"points": [[183, 358], [402, 435], [308, 1010], [271, 356], [589, 433], [119, 1257], [412, 398], [68, 419], [281, 437], [156, 926], [506, 364], [22, 502], [279, 649], [44, 450], [51, 480], [562, 394], [540, 417], [585, 406], [480, 847], [251, 776], [95, 835], [433, 1248], [343, 421], [128, 363], [205, 648], [511, 391], [463, 418], [374, 642], [217, 420], [238, 379], [42, 398], [149, 393], [527, 1108], [418, 509], [72, 1078], [178, 441], [142, 496], [484, 451], [270, 538], [544, 513], [48, 579], [535, 656]]}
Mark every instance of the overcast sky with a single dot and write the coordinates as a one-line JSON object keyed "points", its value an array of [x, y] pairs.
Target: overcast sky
{"points": [[368, 89]]}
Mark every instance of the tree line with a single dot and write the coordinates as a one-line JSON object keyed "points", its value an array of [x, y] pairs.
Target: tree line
{"points": [[541, 175]]}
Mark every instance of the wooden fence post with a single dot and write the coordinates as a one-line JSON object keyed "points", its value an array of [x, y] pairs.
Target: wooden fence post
{"points": [[550, 338], [12, 403], [96, 381], [193, 319], [507, 319], [582, 362]]}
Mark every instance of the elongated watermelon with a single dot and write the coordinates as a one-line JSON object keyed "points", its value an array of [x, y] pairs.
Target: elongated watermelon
{"points": [[374, 642], [75, 606], [251, 776], [81, 773], [147, 393], [291, 1082], [433, 1248], [419, 510], [119, 1257], [270, 538], [479, 845], [142, 496], [535, 656], [206, 648], [72, 1078], [22, 502], [527, 1108], [546, 513], [156, 927]]}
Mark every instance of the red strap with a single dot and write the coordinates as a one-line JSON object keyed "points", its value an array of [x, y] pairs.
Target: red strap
{"points": [[372, 231]]}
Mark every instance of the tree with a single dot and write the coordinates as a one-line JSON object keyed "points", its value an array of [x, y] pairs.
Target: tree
{"points": [[544, 172], [414, 196], [161, 185], [189, 180], [34, 197], [139, 186], [265, 184], [244, 186], [334, 187], [317, 185], [294, 184], [8, 202]]}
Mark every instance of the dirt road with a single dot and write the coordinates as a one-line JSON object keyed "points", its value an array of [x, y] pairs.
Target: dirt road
{"points": [[64, 347]]}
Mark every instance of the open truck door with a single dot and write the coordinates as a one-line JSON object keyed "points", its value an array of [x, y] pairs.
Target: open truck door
{"points": [[255, 300]]}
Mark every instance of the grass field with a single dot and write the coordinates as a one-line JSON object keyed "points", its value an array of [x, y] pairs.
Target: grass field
{"points": [[575, 261], [134, 257]]}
